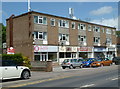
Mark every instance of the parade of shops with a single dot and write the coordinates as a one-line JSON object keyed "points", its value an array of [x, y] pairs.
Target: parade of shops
{"points": [[43, 37]]}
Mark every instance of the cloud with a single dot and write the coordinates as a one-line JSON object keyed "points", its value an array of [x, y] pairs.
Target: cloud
{"points": [[112, 22], [102, 10]]}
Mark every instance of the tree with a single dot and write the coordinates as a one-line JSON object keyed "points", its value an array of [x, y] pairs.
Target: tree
{"points": [[3, 33]]}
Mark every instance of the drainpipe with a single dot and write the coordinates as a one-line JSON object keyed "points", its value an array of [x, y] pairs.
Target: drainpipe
{"points": [[11, 30]]}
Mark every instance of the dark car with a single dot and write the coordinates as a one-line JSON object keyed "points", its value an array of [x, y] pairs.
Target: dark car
{"points": [[116, 60], [87, 62]]}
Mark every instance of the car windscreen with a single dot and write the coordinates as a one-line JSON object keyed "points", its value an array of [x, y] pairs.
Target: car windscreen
{"points": [[66, 60]]}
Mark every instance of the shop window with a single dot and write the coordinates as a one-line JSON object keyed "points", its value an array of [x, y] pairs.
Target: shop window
{"points": [[68, 55], [61, 55], [37, 57], [52, 56], [52, 22]]}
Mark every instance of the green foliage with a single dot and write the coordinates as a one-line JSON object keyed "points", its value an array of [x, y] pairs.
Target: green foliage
{"points": [[18, 58], [118, 33], [3, 33]]}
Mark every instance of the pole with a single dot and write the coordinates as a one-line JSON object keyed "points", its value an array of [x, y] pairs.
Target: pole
{"points": [[29, 9]]}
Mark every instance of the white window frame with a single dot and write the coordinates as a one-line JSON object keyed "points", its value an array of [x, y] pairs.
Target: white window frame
{"points": [[108, 31], [108, 41], [114, 32], [66, 37], [52, 20], [42, 18], [81, 37], [38, 35], [96, 29], [64, 23], [83, 26], [103, 29], [97, 38], [89, 28]]}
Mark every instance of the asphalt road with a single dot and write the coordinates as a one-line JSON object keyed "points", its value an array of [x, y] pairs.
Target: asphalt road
{"points": [[74, 78]]}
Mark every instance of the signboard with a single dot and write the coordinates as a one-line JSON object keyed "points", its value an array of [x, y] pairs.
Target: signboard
{"points": [[62, 49], [99, 49], [84, 49], [10, 50], [38, 48]]}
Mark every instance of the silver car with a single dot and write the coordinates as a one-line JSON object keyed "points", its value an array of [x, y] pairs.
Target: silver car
{"points": [[72, 63]]}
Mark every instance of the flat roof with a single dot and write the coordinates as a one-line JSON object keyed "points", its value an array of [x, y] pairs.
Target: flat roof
{"points": [[59, 17]]}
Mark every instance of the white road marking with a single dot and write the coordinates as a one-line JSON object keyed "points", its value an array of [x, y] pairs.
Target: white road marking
{"points": [[88, 85], [114, 79]]}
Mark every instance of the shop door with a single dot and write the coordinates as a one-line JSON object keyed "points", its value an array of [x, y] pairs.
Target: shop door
{"points": [[43, 57]]}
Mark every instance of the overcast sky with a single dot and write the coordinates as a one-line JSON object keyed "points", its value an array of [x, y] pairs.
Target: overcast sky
{"points": [[105, 13]]}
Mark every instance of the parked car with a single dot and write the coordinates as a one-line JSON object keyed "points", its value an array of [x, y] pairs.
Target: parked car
{"points": [[87, 62], [71, 63], [116, 60], [9, 70], [101, 62]]}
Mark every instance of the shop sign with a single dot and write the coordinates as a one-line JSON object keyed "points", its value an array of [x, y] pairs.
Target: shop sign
{"points": [[111, 49], [10, 50], [62, 49], [69, 49], [74, 49], [99, 49], [38, 48], [84, 49]]}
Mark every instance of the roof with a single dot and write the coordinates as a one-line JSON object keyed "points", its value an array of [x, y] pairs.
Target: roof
{"points": [[59, 17]]}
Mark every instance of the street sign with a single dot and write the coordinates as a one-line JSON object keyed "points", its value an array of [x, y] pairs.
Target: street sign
{"points": [[10, 50]]}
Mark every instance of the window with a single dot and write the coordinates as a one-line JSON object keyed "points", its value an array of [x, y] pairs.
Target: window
{"points": [[78, 26], [96, 39], [40, 20], [73, 25], [63, 37], [108, 41], [89, 27], [114, 32], [40, 35], [63, 23], [108, 31], [52, 22], [96, 29], [82, 38], [82, 27]]}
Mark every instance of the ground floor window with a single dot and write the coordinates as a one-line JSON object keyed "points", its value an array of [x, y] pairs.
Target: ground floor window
{"points": [[99, 55], [83, 54], [39, 56], [52, 56]]}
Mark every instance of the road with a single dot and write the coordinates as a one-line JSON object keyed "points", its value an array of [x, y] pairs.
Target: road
{"points": [[106, 76]]}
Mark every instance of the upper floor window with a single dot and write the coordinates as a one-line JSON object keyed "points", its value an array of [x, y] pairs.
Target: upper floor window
{"points": [[96, 29], [114, 32], [108, 31], [89, 28], [73, 25], [63, 37], [96, 39], [40, 35], [40, 19], [108, 41], [82, 38], [63, 23], [52, 22], [82, 27]]}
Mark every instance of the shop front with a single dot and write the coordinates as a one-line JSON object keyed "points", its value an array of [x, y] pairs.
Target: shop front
{"points": [[99, 52], [84, 52], [111, 52], [45, 53], [66, 52]]}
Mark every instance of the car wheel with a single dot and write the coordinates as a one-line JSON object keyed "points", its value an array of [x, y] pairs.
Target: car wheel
{"points": [[70, 67], [63, 67], [25, 74], [110, 64], [81, 66]]}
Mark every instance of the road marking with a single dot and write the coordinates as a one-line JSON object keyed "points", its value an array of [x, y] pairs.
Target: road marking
{"points": [[114, 79], [36, 82], [88, 85]]}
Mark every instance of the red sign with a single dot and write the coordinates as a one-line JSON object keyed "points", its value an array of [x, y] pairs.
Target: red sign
{"points": [[85, 49], [10, 50]]}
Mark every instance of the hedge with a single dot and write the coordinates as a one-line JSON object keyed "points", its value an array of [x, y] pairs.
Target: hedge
{"points": [[17, 58]]}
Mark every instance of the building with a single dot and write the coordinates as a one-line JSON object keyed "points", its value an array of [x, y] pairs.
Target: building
{"points": [[118, 45], [42, 37]]}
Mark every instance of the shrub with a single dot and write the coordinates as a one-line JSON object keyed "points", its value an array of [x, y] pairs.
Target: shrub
{"points": [[17, 58]]}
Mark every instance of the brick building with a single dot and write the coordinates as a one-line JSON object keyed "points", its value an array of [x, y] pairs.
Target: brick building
{"points": [[41, 36]]}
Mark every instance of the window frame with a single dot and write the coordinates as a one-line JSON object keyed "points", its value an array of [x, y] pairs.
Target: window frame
{"points": [[52, 20]]}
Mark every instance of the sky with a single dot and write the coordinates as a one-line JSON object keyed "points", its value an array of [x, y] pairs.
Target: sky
{"points": [[105, 13]]}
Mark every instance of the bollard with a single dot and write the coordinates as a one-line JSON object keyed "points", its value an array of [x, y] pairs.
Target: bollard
{"points": [[49, 66]]}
